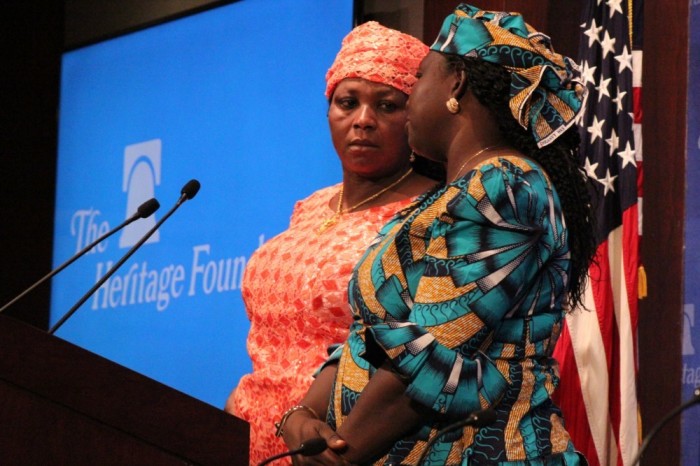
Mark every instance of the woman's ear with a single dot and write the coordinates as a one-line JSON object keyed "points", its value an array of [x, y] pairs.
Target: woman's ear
{"points": [[459, 87]]}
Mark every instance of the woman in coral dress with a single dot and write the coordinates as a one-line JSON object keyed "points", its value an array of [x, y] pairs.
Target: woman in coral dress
{"points": [[295, 285]]}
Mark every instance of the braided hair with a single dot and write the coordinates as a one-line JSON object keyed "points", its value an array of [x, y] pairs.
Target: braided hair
{"points": [[490, 84]]}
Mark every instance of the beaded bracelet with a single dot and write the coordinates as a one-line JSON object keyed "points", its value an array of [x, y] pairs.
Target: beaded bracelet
{"points": [[280, 425]]}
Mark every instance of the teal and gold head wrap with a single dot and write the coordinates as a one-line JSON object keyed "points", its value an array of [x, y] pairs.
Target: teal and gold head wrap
{"points": [[544, 94]]}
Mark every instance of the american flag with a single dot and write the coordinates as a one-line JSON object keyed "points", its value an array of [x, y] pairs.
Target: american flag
{"points": [[597, 350]]}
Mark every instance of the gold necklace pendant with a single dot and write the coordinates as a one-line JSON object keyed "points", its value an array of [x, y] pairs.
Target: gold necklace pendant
{"points": [[333, 219], [328, 223]]}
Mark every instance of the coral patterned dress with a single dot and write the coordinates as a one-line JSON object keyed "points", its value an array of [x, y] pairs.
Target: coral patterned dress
{"points": [[295, 292]]}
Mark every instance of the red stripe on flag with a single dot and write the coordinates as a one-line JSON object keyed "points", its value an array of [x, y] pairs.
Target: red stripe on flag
{"points": [[630, 245], [602, 294], [637, 104]]}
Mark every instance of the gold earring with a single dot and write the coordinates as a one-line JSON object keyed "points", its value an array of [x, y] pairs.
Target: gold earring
{"points": [[452, 106]]}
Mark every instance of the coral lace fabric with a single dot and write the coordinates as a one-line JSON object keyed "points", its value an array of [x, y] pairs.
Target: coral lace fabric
{"points": [[295, 292]]}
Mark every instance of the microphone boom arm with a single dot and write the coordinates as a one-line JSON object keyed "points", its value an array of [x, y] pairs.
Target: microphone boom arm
{"points": [[186, 194]]}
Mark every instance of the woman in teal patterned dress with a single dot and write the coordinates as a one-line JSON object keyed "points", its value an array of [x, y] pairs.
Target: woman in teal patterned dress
{"points": [[459, 300]]}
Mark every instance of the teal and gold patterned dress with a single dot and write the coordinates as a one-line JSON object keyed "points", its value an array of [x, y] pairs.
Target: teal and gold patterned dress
{"points": [[463, 293]]}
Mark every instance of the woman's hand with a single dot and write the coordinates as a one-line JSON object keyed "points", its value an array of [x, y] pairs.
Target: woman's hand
{"points": [[301, 427]]}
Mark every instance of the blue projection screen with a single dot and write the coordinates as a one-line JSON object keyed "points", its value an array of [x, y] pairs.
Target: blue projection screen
{"points": [[232, 97]]}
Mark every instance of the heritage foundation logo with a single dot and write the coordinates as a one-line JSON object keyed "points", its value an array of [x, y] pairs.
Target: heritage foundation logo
{"points": [[141, 175]]}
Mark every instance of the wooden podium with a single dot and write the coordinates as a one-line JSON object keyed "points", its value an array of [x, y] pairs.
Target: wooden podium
{"points": [[63, 405]]}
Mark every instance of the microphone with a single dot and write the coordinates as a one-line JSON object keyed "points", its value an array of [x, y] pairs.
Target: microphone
{"points": [[144, 210], [476, 419], [187, 192], [311, 447], [657, 427]]}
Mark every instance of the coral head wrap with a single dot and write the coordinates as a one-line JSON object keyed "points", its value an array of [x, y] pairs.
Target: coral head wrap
{"points": [[378, 54], [544, 92]]}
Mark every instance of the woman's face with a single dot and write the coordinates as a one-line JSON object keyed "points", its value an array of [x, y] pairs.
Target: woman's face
{"points": [[368, 127], [426, 107]]}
